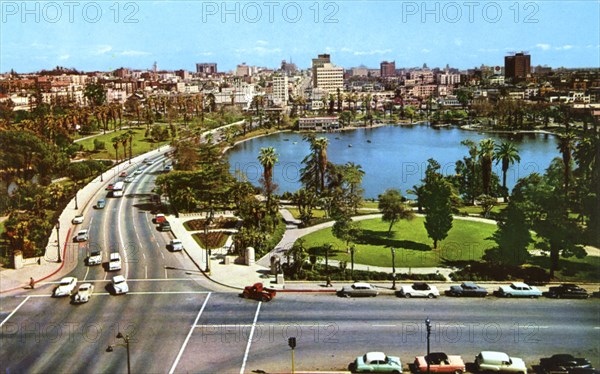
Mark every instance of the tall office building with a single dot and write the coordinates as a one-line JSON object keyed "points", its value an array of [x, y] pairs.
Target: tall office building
{"points": [[517, 67], [387, 69], [317, 63], [206, 68], [330, 77], [280, 90]]}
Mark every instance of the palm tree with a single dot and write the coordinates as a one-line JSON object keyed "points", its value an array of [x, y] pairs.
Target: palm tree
{"points": [[130, 133], [565, 146], [268, 159], [507, 153], [320, 146], [486, 156], [124, 138], [115, 142]]}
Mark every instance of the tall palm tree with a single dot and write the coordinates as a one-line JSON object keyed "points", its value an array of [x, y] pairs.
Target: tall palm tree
{"points": [[124, 138], [115, 142], [268, 159], [566, 146], [320, 146], [507, 153], [486, 157]]}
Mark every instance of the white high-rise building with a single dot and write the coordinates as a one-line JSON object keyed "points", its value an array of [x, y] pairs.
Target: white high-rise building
{"points": [[280, 90], [330, 77]]}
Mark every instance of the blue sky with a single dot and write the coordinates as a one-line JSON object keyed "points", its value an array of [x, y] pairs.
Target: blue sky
{"points": [[105, 35]]}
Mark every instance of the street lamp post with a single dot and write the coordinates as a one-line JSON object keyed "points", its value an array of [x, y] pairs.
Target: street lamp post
{"points": [[207, 222], [428, 325], [58, 239], [76, 207], [126, 345], [393, 268]]}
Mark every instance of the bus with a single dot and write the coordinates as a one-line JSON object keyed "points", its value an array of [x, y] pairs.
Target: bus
{"points": [[117, 190]]}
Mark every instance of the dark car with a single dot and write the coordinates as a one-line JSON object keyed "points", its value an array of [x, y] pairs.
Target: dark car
{"points": [[567, 291], [563, 363], [164, 226], [258, 292], [467, 289]]}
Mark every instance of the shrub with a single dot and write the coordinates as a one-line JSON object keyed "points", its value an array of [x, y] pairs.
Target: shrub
{"points": [[99, 145]]}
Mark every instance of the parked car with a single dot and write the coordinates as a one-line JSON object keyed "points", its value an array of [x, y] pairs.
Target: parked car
{"points": [[258, 292], [100, 204], [164, 226], [84, 293], [376, 362], [176, 245], [95, 257], [499, 361], [82, 236], [567, 291], [440, 362], [114, 261], [66, 286], [563, 363], [77, 219], [419, 289], [518, 289], [467, 289], [358, 289], [119, 285]]}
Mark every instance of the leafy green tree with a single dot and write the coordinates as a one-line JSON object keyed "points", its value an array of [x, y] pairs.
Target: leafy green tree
{"points": [[512, 238], [306, 201], [346, 230], [95, 94], [437, 201], [393, 209]]}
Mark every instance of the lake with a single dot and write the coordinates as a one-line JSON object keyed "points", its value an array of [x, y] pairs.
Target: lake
{"points": [[391, 156]]}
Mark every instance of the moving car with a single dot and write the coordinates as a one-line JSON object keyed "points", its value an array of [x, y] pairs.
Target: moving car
{"points": [[101, 204], [66, 286], [176, 245], [77, 219], [567, 291], [138, 171], [119, 285], [258, 292], [164, 226], [358, 289], [82, 236], [563, 363], [83, 293], [114, 261], [159, 218], [440, 362], [95, 257], [129, 179], [123, 174], [518, 289], [499, 361], [467, 289], [419, 289], [168, 168], [376, 362], [110, 187]]}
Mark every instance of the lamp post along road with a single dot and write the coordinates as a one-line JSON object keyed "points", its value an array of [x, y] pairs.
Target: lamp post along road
{"points": [[428, 325], [207, 223], [393, 268], [126, 345]]}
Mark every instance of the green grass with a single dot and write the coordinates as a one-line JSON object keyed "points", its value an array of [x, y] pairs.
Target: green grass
{"points": [[140, 144], [479, 210], [466, 241], [572, 269]]}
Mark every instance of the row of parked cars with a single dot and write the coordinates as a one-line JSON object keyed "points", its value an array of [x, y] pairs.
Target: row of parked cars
{"points": [[469, 289], [67, 285], [485, 361]]}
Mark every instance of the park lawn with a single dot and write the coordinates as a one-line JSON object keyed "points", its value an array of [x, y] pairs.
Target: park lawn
{"points": [[320, 213], [466, 241], [479, 210], [572, 269], [141, 144]]}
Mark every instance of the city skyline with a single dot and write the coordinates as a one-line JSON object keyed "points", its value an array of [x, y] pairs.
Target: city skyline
{"points": [[105, 35]]}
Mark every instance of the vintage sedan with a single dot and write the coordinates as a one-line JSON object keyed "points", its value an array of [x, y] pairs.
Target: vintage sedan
{"points": [[419, 289], [439, 362], [66, 286], [490, 361], [376, 362], [563, 363], [567, 291], [518, 289], [119, 285], [467, 289], [82, 236], [358, 289], [78, 219], [84, 293]]}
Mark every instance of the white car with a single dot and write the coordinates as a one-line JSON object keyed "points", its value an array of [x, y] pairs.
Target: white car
{"points": [[77, 220], [129, 179], [499, 361], [82, 236], [114, 261], [84, 293], [66, 286], [518, 289], [419, 289], [138, 171], [95, 257], [120, 285], [358, 289], [176, 245]]}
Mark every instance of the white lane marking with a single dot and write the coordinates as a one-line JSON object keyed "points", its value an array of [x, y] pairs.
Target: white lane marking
{"points": [[260, 324], [163, 256], [250, 338], [119, 214], [166, 276], [137, 293], [144, 255], [383, 325], [146, 270], [91, 220], [14, 311], [87, 272], [187, 338]]}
